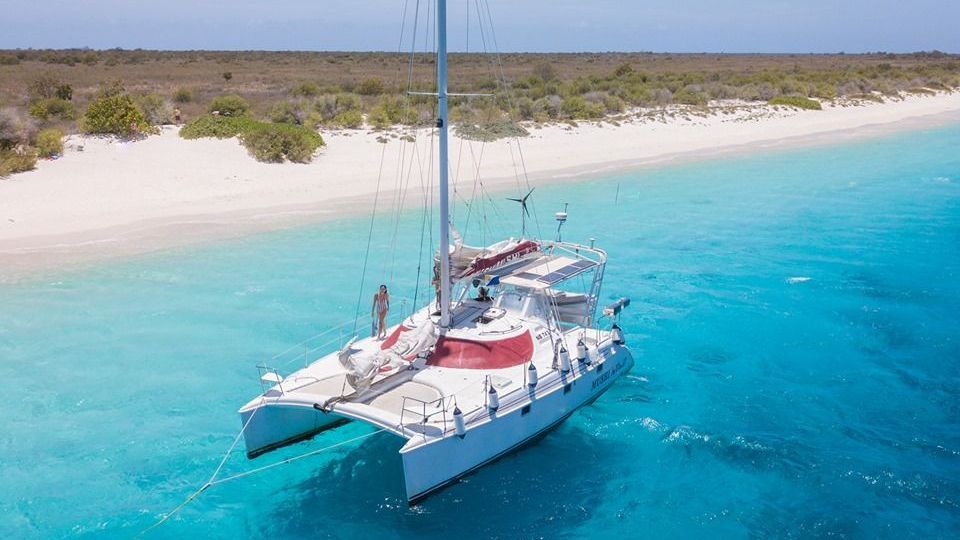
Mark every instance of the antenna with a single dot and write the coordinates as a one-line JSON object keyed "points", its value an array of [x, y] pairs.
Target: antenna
{"points": [[523, 211], [561, 219]]}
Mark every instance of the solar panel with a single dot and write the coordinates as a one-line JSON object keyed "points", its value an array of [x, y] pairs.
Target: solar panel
{"points": [[566, 271], [546, 271]]}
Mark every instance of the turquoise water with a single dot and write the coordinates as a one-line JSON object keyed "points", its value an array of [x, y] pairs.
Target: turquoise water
{"points": [[795, 319]]}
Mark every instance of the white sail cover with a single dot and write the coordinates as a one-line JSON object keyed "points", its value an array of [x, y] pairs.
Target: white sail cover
{"points": [[361, 368]]}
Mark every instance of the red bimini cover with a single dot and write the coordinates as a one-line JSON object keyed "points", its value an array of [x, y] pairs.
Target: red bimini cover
{"points": [[477, 354]]}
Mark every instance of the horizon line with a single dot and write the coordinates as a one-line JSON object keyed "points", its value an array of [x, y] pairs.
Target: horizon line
{"points": [[407, 53]]}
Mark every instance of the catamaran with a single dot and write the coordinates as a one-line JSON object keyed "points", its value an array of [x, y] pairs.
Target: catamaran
{"points": [[509, 350]]}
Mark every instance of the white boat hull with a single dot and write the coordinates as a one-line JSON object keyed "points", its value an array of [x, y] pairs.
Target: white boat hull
{"points": [[277, 424], [437, 463]]}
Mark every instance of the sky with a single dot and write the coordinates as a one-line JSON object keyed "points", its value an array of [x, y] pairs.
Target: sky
{"points": [[773, 26]]}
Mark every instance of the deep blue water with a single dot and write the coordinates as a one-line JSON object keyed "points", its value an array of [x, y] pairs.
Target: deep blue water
{"points": [[795, 320]]}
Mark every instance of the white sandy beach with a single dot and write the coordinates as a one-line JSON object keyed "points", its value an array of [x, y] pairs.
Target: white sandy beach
{"points": [[119, 197]]}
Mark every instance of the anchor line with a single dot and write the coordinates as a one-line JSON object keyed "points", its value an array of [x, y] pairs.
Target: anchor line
{"points": [[294, 458], [213, 480]]}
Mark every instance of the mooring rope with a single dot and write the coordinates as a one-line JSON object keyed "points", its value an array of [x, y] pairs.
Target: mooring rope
{"points": [[213, 481]]}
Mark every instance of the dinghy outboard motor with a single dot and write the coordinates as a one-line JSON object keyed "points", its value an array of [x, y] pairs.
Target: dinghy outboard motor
{"points": [[615, 308], [616, 334]]}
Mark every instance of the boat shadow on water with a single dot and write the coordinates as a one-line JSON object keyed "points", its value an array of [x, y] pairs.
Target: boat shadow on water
{"points": [[539, 488]]}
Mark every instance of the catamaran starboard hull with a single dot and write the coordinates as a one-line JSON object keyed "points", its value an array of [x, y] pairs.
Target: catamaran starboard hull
{"points": [[430, 467]]}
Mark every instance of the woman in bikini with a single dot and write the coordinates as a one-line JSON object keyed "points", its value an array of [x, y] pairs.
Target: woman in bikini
{"points": [[381, 305]]}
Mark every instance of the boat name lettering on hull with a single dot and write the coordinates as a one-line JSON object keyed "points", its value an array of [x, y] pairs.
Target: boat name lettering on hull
{"points": [[607, 376]]}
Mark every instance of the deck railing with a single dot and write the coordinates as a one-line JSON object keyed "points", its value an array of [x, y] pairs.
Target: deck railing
{"points": [[412, 405]]}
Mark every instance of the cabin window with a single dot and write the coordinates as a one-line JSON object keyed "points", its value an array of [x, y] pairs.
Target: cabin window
{"points": [[599, 367], [524, 410]]}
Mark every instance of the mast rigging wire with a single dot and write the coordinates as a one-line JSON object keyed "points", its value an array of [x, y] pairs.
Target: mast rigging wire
{"points": [[366, 255]]}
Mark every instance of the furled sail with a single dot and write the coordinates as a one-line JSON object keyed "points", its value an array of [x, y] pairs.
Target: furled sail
{"points": [[361, 367], [469, 260]]}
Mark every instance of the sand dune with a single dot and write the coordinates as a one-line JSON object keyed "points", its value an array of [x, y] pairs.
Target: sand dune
{"points": [[105, 197]]}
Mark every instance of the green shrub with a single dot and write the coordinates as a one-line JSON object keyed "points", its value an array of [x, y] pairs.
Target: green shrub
{"points": [[49, 142], [545, 72], [14, 162], [623, 70], [115, 115], [275, 142], [45, 109], [230, 105], [389, 111], [576, 108], [219, 127], [183, 95], [64, 92], [9, 129], [491, 131], [305, 89], [690, 96], [112, 89], [350, 119], [348, 102], [155, 109], [286, 112], [328, 107], [796, 101], [43, 87], [613, 104], [370, 87]]}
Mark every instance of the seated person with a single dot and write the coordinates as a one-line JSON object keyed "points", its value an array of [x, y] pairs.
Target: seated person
{"points": [[483, 295]]}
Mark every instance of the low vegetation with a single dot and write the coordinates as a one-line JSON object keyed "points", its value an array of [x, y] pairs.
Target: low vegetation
{"points": [[273, 143], [115, 114], [183, 95], [217, 127], [796, 101], [266, 141], [12, 161], [50, 143], [71, 90], [16, 137], [46, 109], [491, 131], [157, 111], [229, 105]]}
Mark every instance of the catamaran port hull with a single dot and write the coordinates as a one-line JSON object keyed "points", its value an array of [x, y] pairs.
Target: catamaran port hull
{"points": [[278, 424], [431, 465]]}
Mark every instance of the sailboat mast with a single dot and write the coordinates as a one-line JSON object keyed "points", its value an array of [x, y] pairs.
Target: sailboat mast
{"points": [[444, 196]]}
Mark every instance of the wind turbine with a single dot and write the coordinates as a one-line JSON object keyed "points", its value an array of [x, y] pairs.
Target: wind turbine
{"points": [[523, 212]]}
